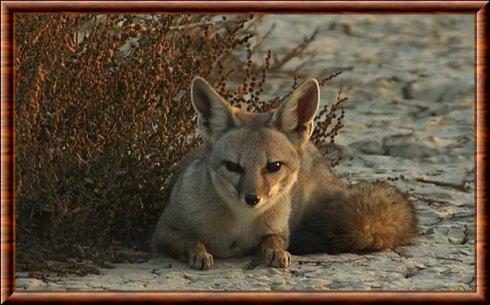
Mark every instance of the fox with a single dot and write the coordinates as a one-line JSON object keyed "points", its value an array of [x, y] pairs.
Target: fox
{"points": [[259, 186]]}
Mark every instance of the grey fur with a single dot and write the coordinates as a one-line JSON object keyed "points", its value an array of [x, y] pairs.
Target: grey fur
{"points": [[207, 200], [206, 209]]}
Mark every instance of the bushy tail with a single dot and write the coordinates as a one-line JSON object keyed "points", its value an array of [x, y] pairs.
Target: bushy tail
{"points": [[364, 217]]}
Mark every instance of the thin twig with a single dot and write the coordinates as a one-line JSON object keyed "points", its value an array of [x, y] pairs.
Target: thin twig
{"points": [[294, 52], [463, 186], [331, 76], [263, 38]]}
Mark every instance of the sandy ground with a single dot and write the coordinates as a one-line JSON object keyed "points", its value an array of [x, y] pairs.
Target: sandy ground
{"points": [[409, 79]]}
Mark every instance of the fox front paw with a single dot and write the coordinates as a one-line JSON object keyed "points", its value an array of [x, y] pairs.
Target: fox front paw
{"points": [[278, 258], [201, 260]]}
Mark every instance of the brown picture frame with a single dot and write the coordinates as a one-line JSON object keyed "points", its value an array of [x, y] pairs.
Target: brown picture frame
{"points": [[9, 8]]}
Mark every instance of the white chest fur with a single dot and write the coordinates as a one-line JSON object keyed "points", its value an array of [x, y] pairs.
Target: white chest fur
{"points": [[234, 236]]}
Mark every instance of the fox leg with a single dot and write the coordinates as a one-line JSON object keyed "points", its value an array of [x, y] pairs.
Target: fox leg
{"points": [[178, 245], [272, 250], [199, 257]]}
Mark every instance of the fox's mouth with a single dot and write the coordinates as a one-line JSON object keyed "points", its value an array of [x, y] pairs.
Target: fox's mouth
{"points": [[254, 207]]}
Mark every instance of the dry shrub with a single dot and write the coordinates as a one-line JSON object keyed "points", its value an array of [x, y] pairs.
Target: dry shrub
{"points": [[103, 116]]}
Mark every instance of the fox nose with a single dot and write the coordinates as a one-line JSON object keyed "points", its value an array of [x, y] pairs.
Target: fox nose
{"points": [[252, 199]]}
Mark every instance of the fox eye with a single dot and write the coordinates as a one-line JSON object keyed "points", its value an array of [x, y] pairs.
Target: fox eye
{"points": [[273, 167], [233, 167]]}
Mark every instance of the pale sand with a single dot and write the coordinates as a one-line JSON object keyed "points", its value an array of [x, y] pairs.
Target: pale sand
{"points": [[410, 83]]}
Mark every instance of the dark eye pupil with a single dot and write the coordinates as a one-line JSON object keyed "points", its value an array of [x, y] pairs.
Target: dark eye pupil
{"points": [[233, 167], [273, 167]]}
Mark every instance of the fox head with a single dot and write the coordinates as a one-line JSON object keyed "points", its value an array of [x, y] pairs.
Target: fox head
{"points": [[253, 159], [253, 167]]}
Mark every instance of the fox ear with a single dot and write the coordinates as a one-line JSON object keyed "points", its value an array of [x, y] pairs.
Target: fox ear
{"points": [[214, 114], [295, 116]]}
